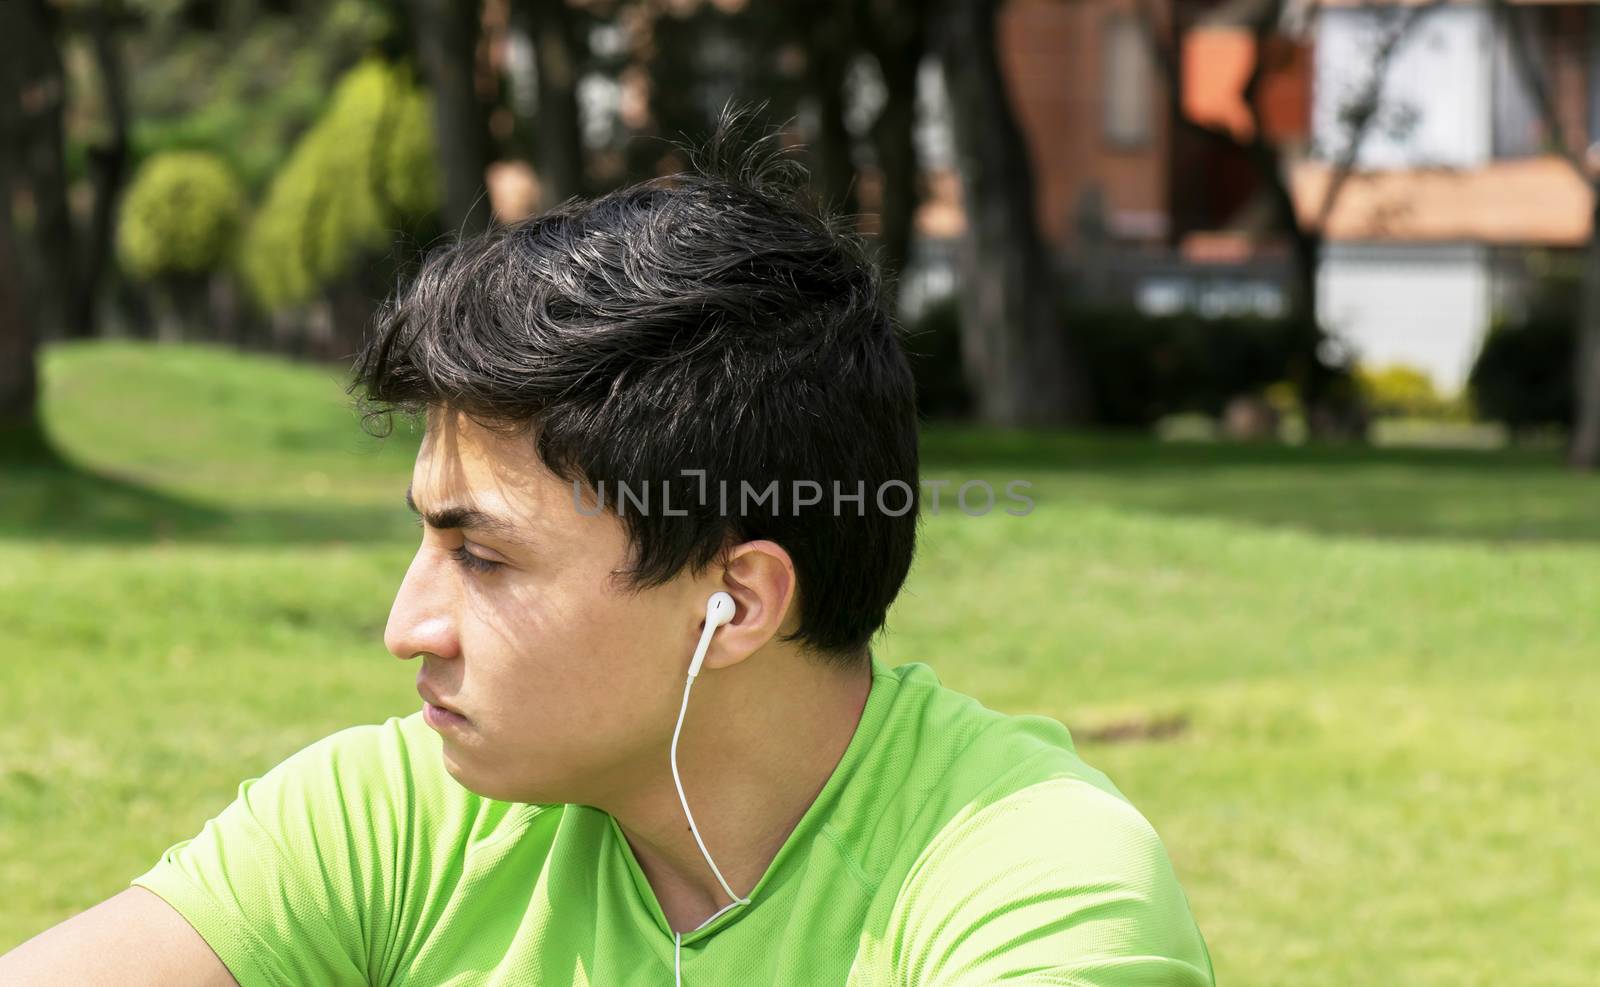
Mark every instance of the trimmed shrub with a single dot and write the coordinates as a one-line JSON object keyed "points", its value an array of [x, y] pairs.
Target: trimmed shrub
{"points": [[181, 216], [365, 168], [1524, 375], [933, 346], [1145, 367], [1399, 391]]}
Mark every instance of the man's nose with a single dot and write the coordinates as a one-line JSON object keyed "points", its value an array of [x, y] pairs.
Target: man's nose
{"points": [[423, 616]]}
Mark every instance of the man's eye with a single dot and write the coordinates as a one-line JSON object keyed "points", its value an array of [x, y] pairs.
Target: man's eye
{"points": [[475, 563]]}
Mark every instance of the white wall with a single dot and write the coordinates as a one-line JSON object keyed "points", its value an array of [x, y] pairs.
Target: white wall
{"points": [[1423, 305], [1440, 75]]}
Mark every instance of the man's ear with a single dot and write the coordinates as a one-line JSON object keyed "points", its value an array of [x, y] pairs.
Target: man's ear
{"points": [[760, 577]]}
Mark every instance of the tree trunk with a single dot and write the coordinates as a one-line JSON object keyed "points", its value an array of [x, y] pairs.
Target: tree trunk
{"points": [[1584, 451], [352, 305], [1305, 243], [557, 135], [896, 36], [828, 30], [170, 309], [1017, 355], [19, 380], [31, 288], [45, 251], [107, 167], [1305, 249], [446, 33]]}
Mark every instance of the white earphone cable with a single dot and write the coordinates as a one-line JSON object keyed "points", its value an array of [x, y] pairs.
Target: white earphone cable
{"points": [[694, 666], [685, 801]]}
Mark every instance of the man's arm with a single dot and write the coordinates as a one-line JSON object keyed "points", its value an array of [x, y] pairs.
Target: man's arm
{"points": [[285, 887], [132, 939]]}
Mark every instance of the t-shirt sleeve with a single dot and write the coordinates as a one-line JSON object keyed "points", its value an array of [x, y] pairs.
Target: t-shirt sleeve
{"points": [[1058, 884], [281, 883]]}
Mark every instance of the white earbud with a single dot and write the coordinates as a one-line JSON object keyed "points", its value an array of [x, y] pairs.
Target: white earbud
{"points": [[719, 610]]}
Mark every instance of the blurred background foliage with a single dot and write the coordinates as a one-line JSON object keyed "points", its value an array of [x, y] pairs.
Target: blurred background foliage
{"points": [[181, 217], [241, 79], [365, 169], [261, 173]]}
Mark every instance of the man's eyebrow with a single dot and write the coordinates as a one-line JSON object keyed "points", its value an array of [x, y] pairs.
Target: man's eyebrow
{"points": [[466, 519]]}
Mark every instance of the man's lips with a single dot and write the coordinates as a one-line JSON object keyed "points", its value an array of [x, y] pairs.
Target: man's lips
{"points": [[431, 697]]}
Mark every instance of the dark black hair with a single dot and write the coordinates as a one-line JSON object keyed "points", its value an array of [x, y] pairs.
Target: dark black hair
{"points": [[718, 319]]}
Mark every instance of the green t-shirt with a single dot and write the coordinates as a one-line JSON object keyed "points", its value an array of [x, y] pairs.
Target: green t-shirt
{"points": [[952, 845]]}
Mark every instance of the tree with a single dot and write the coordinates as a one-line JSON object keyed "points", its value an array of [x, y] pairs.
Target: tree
{"points": [[107, 159], [19, 382], [895, 32], [61, 268], [1021, 365], [1264, 20], [799, 58], [363, 177], [36, 273], [179, 224], [1583, 450], [552, 28], [827, 35], [446, 33]]}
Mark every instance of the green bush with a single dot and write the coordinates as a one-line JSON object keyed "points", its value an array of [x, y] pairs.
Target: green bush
{"points": [[365, 168], [1524, 374], [933, 346], [1146, 367], [1399, 391], [265, 65], [181, 216], [1143, 367]]}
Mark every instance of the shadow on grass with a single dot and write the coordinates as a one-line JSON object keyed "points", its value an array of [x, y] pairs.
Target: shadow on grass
{"points": [[1498, 496], [1502, 496], [62, 501]]}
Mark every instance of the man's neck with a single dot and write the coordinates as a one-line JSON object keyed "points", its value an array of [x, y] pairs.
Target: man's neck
{"points": [[760, 741]]}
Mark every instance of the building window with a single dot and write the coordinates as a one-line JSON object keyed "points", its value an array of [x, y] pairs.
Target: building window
{"points": [[1127, 84]]}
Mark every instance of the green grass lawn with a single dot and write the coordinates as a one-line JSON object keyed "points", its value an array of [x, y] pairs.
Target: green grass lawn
{"points": [[1356, 690]]}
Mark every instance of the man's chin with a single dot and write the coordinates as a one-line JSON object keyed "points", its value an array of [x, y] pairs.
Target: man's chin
{"points": [[498, 789], [464, 776]]}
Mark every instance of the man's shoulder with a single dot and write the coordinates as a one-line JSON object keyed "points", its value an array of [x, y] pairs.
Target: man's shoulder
{"points": [[1030, 846], [1016, 787], [399, 753], [288, 881], [982, 753], [958, 776], [1005, 791], [1064, 826], [375, 776], [1059, 876], [397, 738]]}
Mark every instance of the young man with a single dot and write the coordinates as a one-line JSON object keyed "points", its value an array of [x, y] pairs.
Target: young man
{"points": [[631, 406]]}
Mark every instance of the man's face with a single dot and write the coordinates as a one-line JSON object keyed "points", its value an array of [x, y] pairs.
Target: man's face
{"points": [[568, 683]]}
